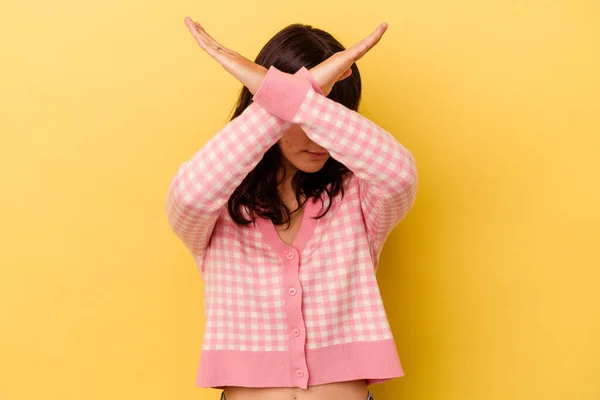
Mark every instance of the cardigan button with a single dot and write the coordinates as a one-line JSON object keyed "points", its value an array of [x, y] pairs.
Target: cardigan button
{"points": [[296, 332], [292, 291], [290, 256], [299, 373]]}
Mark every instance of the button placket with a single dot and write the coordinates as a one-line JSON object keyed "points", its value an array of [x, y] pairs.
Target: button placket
{"points": [[293, 305]]}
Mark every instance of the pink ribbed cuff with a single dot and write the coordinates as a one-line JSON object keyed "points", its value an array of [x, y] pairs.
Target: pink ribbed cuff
{"points": [[281, 93], [306, 74]]}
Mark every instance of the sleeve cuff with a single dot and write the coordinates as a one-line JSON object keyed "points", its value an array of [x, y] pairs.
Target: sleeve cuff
{"points": [[307, 75], [282, 94]]}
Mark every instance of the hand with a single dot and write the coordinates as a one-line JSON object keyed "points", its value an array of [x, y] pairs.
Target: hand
{"points": [[337, 67], [249, 73]]}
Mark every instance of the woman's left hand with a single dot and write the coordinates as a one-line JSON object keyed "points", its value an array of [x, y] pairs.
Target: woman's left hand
{"points": [[337, 67]]}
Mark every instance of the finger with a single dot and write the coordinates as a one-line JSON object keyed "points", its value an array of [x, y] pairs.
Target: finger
{"points": [[210, 39], [366, 44], [370, 41], [197, 35], [345, 75], [203, 41], [200, 34]]}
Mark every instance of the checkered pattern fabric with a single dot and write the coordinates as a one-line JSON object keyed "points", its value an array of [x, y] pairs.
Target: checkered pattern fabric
{"points": [[316, 304]]}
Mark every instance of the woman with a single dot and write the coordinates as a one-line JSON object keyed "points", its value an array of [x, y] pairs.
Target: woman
{"points": [[291, 300]]}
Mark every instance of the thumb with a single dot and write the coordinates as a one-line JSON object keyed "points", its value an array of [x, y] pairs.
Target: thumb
{"points": [[345, 75]]}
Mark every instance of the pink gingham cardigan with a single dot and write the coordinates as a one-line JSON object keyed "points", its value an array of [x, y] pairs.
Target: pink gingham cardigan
{"points": [[311, 313]]}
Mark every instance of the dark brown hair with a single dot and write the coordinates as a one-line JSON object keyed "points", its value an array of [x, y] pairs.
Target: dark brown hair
{"points": [[293, 47]]}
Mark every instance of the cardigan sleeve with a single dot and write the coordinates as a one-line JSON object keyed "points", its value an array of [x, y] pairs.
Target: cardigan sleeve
{"points": [[203, 184], [386, 170]]}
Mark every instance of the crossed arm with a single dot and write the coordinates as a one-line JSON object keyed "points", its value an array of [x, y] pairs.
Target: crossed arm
{"points": [[385, 169]]}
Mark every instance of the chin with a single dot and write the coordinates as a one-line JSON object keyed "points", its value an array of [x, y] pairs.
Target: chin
{"points": [[313, 167], [311, 170]]}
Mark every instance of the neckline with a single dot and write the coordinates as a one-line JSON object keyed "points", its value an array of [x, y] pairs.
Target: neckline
{"points": [[305, 231]]}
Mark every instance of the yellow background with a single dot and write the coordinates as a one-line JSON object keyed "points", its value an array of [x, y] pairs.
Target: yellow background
{"points": [[491, 283]]}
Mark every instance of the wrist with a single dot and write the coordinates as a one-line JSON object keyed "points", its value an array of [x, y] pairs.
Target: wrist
{"points": [[281, 93], [304, 72], [258, 77]]}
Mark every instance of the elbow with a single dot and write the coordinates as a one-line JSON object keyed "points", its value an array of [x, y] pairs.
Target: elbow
{"points": [[178, 204], [173, 205], [403, 185], [187, 199], [179, 194], [406, 181]]}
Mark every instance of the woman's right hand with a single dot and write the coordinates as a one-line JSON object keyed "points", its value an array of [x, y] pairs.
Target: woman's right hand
{"points": [[249, 73]]}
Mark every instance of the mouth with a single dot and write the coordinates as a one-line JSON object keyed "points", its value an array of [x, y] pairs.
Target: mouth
{"points": [[316, 156]]}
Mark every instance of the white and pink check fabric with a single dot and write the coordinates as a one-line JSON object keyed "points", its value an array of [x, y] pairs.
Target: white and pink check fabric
{"points": [[309, 313]]}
